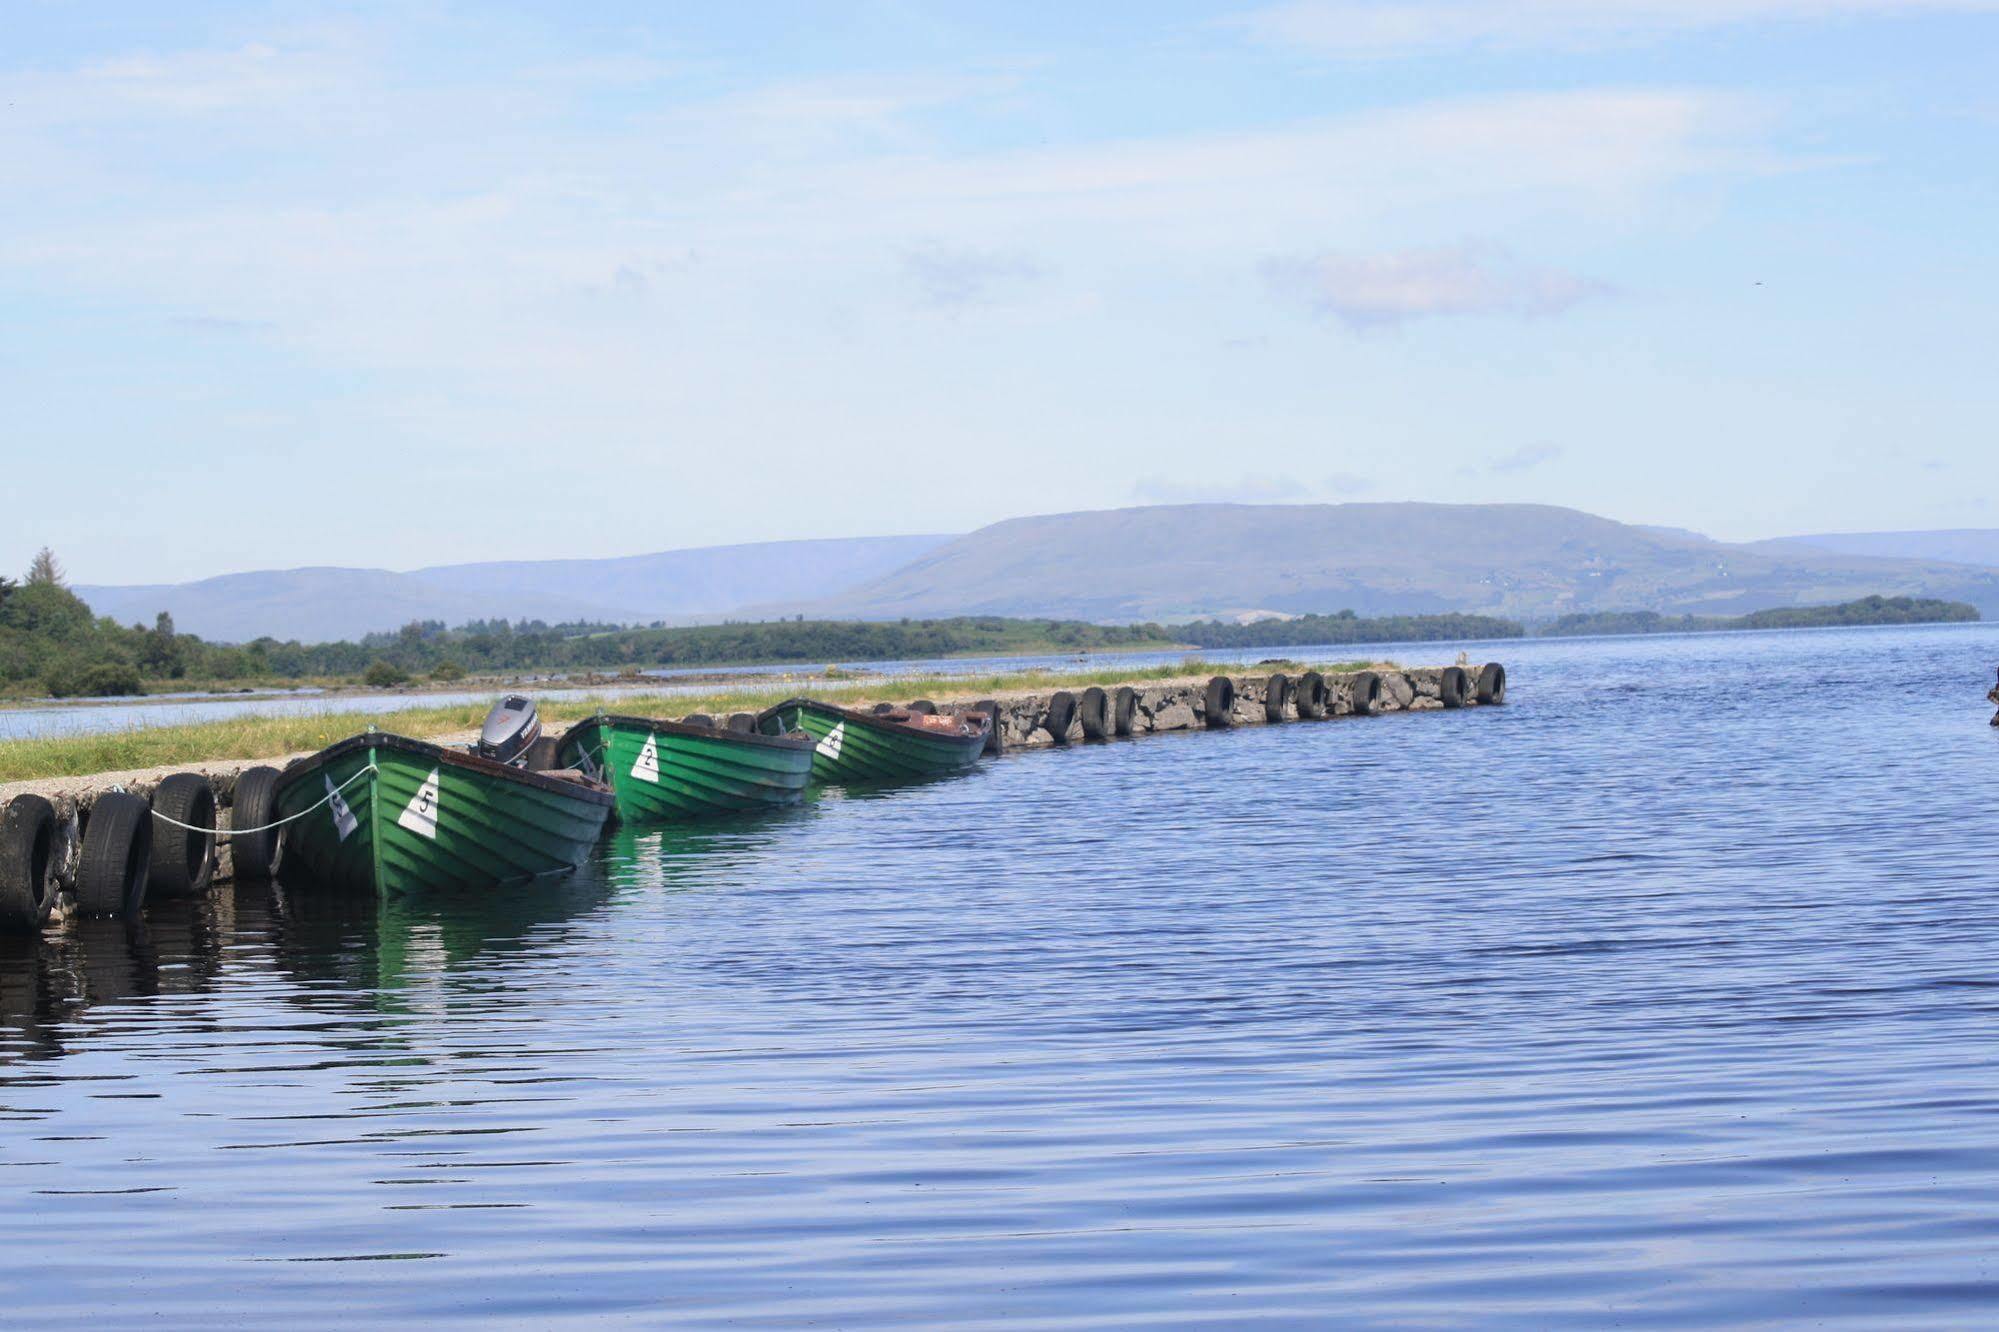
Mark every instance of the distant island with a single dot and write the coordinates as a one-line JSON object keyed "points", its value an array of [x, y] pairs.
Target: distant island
{"points": [[1865, 611], [51, 645]]}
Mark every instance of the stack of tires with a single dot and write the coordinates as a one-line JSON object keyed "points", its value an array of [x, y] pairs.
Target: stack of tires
{"points": [[133, 849]]}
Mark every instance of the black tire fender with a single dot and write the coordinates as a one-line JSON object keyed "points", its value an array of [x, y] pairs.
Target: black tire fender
{"points": [[1094, 711], [995, 742], [27, 864], [1491, 683], [1218, 701], [112, 873], [1061, 711], [1453, 686], [253, 856], [1309, 696], [1124, 710], [1276, 693], [923, 707], [183, 860], [1366, 691]]}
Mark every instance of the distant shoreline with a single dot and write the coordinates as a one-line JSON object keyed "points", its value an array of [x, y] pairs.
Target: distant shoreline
{"points": [[442, 661]]}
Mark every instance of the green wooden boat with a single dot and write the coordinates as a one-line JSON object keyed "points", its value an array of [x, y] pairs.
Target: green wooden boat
{"points": [[397, 815], [668, 770], [892, 746]]}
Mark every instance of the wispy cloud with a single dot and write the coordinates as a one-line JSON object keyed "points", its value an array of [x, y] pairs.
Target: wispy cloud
{"points": [[1242, 490], [1367, 29], [1525, 458], [1375, 290], [952, 277]]}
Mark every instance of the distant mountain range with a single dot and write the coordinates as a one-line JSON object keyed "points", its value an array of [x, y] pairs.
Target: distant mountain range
{"points": [[1522, 561], [323, 605], [1165, 563]]}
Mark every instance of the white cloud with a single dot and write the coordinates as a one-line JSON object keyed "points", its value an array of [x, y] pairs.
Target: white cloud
{"points": [[1364, 29], [1375, 290], [455, 232]]}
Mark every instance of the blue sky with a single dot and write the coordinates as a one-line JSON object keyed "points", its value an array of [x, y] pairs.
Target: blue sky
{"points": [[392, 285]]}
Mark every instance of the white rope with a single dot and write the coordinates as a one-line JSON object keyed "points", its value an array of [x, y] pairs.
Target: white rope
{"points": [[368, 771]]}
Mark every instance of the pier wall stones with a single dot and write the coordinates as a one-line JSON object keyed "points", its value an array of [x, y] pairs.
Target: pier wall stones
{"points": [[1024, 722]]}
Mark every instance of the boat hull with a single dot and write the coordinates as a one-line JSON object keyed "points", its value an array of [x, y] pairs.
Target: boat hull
{"points": [[662, 771], [429, 818], [850, 746]]}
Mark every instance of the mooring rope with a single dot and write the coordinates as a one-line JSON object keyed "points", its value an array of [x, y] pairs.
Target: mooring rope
{"points": [[368, 771]]}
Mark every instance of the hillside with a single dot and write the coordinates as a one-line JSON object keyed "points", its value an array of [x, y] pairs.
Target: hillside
{"points": [[1523, 561], [325, 605], [1170, 563]]}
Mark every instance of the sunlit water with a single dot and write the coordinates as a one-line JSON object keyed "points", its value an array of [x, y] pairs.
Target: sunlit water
{"points": [[1667, 995]]}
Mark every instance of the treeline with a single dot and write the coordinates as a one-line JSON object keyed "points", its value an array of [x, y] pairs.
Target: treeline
{"points": [[1346, 627], [425, 647], [1864, 611], [51, 643]]}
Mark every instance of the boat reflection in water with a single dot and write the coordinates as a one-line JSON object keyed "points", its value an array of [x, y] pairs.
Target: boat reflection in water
{"points": [[342, 954]]}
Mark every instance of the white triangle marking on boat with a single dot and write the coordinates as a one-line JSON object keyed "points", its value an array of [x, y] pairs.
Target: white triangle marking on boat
{"points": [[420, 815], [344, 821], [647, 768], [830, 746]]}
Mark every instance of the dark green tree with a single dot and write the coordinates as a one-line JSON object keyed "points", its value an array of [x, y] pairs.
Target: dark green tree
{"points": [[161, 652]]}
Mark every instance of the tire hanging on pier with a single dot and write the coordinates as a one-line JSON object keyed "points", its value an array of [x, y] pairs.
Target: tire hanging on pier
{"points": [[1061, 711], [112, 872], [1366, 693], [1491, 683], [1218, 701], [1309, 694], [27, 864], [183, 859], [1093, 710], [1453, 686], [253, 856], [1124, 710], [1276, 693], [995, 742]]}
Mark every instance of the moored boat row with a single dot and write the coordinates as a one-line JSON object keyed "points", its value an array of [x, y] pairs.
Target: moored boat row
{"points": [[391, 814]]}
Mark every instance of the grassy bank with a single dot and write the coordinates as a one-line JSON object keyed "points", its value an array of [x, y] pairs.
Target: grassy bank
{"points": [[264, 737]]}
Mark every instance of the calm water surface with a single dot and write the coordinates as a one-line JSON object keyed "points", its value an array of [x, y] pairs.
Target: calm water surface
{"points": [[1666, 996]]}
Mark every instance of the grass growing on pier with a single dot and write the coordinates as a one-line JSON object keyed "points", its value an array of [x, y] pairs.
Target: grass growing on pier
{"points": [[268, 737]]}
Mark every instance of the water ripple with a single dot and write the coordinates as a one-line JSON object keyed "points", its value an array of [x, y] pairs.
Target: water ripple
{"points": [[1663, 997]]}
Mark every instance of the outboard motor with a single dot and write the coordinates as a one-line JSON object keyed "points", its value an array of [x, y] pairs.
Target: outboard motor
{"points": [[510, 728]]}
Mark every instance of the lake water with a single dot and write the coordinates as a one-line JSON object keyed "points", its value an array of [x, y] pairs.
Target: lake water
{"points": [[1665, 996]]}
